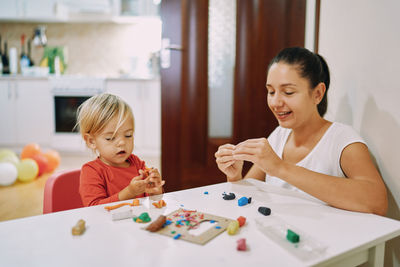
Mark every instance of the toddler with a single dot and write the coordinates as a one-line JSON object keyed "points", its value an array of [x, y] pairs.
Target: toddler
{"points": [[106, 124]]}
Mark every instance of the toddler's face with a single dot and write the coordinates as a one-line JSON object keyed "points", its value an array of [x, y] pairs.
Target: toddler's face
{"points": [[115, 149]]}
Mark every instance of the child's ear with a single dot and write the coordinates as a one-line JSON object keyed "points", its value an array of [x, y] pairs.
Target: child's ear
{"points": [[319, 92], [90, 142]]}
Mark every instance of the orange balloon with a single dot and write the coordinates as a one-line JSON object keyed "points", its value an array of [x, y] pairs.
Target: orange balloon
{"points": [[53, 159], [30, 150]]}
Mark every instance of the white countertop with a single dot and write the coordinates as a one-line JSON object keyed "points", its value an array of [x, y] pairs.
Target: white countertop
{"points": [[46, 240]]}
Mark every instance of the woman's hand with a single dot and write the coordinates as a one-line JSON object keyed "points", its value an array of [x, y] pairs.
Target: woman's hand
{"points": [[260, 153], [154, 182], [231, 167]]}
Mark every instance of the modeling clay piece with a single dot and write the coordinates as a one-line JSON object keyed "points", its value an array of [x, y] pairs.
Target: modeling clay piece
{"points": [[233, 227], [228, 197], [143, 218], [79, 228], [292, 236], [135, 202], [177, 236], [249, 200], [264, 210], [241, 244], [243, 201], [157, 224], [206, 193], [122, 215], [241, 220], [116, 206], [161, 203], [146, 172]]}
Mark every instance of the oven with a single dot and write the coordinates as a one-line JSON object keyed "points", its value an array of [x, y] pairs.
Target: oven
{"points": [[68, 94]]}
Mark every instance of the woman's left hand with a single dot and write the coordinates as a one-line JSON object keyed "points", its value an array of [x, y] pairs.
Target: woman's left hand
{"points": [[260, 153]]}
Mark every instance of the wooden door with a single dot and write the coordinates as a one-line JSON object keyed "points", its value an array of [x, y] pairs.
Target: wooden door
{"points": [[263, 28]]}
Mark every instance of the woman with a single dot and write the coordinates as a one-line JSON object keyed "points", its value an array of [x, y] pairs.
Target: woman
{"points": [[327, 160]]}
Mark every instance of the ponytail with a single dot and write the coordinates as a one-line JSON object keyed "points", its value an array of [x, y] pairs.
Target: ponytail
{"points": [[324, 78]]}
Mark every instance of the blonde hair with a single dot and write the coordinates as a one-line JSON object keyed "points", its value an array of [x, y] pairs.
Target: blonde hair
{"points": [[94, 114]]}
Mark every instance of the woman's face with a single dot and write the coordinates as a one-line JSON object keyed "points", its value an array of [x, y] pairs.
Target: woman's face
{"points": [[290, 97]]}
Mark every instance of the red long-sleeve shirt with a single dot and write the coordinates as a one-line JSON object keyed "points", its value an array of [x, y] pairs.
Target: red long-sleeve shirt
{"points": [[101, 183]]}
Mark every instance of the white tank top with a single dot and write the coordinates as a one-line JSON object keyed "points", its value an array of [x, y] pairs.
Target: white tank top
{"points": [[324, 157]]}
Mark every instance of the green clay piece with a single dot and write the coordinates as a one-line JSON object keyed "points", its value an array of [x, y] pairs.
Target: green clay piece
{"points": [[173, 232], [143, 218], [292, 236]]}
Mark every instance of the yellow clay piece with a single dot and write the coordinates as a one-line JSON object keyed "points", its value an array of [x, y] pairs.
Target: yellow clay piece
{"points": [[79, 228], [233, 227]]}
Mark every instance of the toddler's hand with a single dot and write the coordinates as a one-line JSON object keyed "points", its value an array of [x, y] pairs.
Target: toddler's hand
{"points": [[154, 182], [137, 185]]}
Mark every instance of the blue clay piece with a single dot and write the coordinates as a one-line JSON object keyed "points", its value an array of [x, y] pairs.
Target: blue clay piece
{"points": [[243, 201], [177, 236]]}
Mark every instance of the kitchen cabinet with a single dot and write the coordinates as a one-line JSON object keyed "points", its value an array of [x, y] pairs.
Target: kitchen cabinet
{"points": [[144, 98], [146, 8], [31, 10], [9, 9], [46, 10], [26, 112], [119, 11]]}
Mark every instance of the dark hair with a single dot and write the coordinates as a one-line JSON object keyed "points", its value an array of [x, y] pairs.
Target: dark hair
{"points": [[311, 66]]}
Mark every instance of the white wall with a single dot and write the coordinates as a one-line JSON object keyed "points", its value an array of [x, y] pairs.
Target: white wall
{"points": [[360, 39]]}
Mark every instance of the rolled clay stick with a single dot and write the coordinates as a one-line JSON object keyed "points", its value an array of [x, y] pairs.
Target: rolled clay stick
{"points": [[157, 224]]}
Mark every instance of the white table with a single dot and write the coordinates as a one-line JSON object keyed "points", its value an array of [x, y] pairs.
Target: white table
{"points": [[351, 238]]}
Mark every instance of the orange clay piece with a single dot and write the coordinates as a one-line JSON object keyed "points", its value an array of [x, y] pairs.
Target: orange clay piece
{"points": [[146, 172], [159, 204], [241, 220], [116, 206], [135, 202]]}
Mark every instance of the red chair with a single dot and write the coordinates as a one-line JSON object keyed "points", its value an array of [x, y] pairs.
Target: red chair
{"points": [[61, 192]]}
